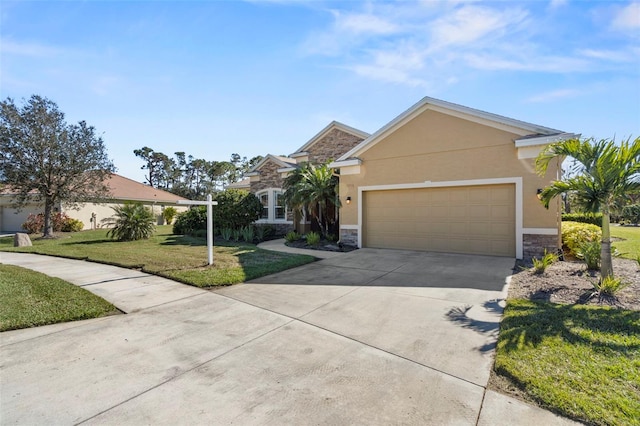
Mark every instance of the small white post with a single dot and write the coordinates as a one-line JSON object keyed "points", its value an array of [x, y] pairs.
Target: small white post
{"points": [[210, 228], [209, 203]]}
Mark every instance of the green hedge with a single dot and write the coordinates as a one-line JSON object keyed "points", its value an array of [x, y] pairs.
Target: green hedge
{"points": [[631, 214], [592, 218]]}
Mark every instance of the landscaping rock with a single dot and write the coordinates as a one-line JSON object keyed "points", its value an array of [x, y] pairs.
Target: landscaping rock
{"points": [[21, 240]]}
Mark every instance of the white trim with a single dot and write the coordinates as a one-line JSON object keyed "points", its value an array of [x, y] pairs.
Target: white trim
{"points": [[299, 154], [540, 231], [345, 163], [517, 181], [349, 227], [426, 103], [280, 161], [545, 140], [286, 169]]}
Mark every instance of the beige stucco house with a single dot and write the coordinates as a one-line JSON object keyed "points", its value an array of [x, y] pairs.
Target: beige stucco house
{"points": [[92, 215], [444, 177], [439, 177]]}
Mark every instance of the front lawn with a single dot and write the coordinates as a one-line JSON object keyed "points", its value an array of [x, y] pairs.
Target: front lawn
{"points": [[626, 240], [579, 361], [31, 299], [177, 257]]}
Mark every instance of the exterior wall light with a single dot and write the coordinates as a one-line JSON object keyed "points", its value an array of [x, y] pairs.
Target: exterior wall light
{"points": [[348, 200]]}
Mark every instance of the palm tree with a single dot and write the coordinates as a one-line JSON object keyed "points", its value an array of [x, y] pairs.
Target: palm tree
{"points": [[603, 173], [132, 222], [314, 188]]}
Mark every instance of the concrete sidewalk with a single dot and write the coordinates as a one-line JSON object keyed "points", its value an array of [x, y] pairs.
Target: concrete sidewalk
{"points": [[129, 290], [279, 245], [379, 346]]}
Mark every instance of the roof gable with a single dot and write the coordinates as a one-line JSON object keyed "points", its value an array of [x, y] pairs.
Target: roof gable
{"points": [[283, 162], [322, 133], [488, 119]]}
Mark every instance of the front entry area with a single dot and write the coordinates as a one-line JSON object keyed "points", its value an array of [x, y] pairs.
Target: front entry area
{"points": [[463, 219]]}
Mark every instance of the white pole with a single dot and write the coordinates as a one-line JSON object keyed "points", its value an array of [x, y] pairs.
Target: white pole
{"points": [[210, 229]]}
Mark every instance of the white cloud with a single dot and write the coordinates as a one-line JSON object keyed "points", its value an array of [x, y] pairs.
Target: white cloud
{"points": [[627, 17], [363, 24], [555, 4], [609, 55], [471, 24], [553, 95], [538, 63]]}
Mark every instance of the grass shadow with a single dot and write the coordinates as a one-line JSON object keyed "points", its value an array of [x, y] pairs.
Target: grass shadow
{"points": [[530, 322]]}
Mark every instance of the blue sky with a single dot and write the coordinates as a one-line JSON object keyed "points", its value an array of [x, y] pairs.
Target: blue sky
{"points": [[211, 78]]}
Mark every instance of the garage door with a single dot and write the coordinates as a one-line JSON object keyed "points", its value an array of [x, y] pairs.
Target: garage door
{"points": [[469, 219]]}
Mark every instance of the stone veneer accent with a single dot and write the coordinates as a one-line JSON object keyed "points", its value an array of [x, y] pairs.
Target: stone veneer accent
{"points": [[333, 145], [534, 245], [269, 178], [349, 236]]}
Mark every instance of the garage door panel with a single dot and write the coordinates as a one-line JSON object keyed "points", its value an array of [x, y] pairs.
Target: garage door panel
{"points": [[474, 219]]}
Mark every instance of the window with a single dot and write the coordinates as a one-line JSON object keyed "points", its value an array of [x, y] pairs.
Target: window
{"points": [[264, 199], [280, 208], [273, 205]]}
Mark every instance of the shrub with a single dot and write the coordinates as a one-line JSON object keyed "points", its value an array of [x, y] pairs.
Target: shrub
{"points": [[589, 251], [168, 214], [631, 214], [236, 208], [133, 221], [59, 221], [190, 221], [313, 238], [226, 233], [609, 285], [592, 218], [247, 233], [236, 234], [34, 223], [540, 265], [292, 236], [72, 225], [575, 234], [199, 233], [332, 238], [263, 232]]}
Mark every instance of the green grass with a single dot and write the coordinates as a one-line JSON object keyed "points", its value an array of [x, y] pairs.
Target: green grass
{"points": [[579, 361], [629, 246], [180, 258], [31, 299]]}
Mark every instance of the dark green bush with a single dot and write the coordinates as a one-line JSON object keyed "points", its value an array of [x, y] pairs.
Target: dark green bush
{"points": [[236, 209], [631, 214], [168, 214], [592, 218], [190, 221]]}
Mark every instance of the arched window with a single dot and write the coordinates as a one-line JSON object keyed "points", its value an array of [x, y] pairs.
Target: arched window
{"points": [[274, 208]]}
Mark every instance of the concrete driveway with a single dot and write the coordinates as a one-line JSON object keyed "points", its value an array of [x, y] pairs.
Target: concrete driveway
{"points": [[370, 337]]}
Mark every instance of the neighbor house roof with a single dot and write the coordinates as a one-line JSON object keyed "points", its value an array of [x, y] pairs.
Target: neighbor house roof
{"points": [[122, 188], [302, 151], [521, 127]]}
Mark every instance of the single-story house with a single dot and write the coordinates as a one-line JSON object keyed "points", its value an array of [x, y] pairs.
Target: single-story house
{"points": [[438, 177], [92, 214]]}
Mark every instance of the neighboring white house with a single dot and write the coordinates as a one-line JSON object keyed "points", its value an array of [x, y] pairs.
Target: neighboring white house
{"points": [[122, 189]]}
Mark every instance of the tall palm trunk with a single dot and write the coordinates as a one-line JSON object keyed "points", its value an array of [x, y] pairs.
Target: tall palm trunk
{"points": [[606, 263]]}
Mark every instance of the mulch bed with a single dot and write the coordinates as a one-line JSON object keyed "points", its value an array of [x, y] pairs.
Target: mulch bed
{"points": [[570, 282], [323, 246]]}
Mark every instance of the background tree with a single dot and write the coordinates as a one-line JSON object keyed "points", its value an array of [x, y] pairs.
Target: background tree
{"points": [[42, 158], [314, 188], [601, 175]]}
